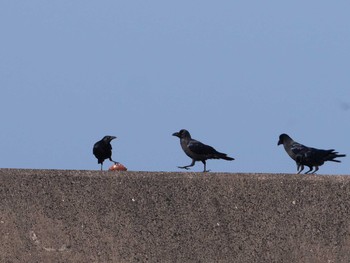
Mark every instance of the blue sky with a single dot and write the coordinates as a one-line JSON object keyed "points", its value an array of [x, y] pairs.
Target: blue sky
{"points": [[236, 74]]}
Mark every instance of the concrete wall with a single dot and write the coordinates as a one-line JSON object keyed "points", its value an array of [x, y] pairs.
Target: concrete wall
{"points": [[93, 216]]}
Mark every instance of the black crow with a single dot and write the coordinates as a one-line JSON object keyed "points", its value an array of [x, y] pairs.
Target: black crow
{"points": [[307, 156], [103, 149], [198, 151]]}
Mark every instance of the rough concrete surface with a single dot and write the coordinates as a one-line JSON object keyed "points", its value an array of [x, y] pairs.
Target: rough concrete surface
{"points": [[93, 216]]}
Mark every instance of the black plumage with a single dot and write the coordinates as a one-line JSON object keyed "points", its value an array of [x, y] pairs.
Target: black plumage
{"points": [[198, 151], [307, 156], [103, 149]]}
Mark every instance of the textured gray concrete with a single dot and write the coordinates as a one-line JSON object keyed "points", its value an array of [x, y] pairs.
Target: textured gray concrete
{"points": [[93, 216]]}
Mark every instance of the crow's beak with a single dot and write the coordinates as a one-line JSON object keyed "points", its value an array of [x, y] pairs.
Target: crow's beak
{"points": [[279, 142], [176, 134], [113, 137]]}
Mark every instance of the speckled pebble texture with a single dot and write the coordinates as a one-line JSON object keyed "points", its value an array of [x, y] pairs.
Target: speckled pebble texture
{"points": [[94, 216]]}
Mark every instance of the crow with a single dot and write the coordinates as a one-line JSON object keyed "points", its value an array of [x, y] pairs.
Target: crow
{"points": [[103, 150], [198, 151], [307, 156]]}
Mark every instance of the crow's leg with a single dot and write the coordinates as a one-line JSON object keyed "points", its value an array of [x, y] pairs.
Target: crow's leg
{"points": [[311, 167], [110, 158], [316, 169], [186, 166], [205, 167], [101, 166], [300, 168]]}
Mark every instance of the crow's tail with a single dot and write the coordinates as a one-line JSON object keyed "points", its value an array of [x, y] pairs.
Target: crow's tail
{"points": [[334, 155], [224, 156]]}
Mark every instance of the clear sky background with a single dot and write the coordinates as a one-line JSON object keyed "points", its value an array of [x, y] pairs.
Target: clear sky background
{"points": [[236, 74]]}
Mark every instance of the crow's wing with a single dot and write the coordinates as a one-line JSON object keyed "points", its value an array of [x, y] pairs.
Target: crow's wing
{"points": [[298, 148], [201, 148], [102, 150], [318, 157]]}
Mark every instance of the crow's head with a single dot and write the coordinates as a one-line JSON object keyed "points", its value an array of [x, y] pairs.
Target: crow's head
{"points": [[182, 134], [108, 138], [283, 137]]}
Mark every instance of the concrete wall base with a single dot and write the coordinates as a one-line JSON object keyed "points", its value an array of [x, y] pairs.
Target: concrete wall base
{"points": [[93, 216]]}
